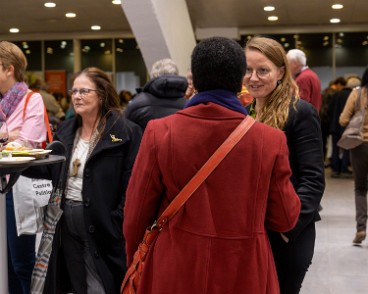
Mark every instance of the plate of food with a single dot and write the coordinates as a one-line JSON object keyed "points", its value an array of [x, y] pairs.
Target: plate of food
{"points": [[18, 150], [15, 160]]}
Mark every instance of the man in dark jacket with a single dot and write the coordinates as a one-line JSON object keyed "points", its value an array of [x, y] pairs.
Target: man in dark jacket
{"points": [[161, 96]]}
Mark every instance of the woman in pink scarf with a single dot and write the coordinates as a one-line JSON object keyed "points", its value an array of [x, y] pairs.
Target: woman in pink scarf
{"points": [[28, 130]]}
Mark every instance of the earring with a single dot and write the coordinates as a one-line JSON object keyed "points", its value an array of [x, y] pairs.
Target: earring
{"points": [[279, 82]]}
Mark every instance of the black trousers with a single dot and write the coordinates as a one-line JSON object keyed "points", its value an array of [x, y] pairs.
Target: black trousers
{"points": [[293, 259], [78, 259]]}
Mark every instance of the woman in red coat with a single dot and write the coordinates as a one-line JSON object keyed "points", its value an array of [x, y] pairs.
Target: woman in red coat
{"points": [[217, 243]]}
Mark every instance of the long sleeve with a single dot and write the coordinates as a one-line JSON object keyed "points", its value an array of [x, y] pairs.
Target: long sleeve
{"points": [[143, 193], [349, 108], [283, 205], [306, 159]]}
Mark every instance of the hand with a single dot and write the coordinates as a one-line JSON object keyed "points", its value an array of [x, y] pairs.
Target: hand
{"points": [[286, 239]]}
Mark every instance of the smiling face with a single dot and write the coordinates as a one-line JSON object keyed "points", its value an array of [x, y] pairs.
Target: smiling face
{"points": [[85, 104], [261, 74]]}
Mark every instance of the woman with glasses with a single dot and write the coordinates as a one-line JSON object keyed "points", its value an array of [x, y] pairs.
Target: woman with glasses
{"points": [[26, 126], [217, 242], [269, 81], [101, 148]]}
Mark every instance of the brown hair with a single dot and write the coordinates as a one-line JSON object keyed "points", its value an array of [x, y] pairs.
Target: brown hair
{"points": [[11, 54], [276, 108], [106, 92]]}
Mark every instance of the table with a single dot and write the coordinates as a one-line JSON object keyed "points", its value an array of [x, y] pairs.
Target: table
{"points": [[14, 170]]}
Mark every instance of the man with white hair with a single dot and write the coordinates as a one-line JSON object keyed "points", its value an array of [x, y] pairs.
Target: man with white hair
{"points": [[161, 96], [307, 80]]}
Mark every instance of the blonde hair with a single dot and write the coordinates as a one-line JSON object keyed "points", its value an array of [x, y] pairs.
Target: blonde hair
{"points": [[275, 110], [11, 54]]}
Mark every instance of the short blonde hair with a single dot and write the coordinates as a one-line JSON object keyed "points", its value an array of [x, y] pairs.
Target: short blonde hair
{"points": [[164, 67], [11, 54]]}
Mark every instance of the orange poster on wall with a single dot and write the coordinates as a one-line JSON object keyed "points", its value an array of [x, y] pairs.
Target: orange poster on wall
{"points": [[56, 81]]}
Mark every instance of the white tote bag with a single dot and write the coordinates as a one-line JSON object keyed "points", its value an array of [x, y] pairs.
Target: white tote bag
{"points": [[30, 196]]}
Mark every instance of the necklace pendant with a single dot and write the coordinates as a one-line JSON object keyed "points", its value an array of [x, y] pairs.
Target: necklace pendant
{"points": [[76, 164]]}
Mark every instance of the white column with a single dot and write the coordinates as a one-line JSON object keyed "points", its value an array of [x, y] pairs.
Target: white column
{"points": [[162, 29], [3, 247]]}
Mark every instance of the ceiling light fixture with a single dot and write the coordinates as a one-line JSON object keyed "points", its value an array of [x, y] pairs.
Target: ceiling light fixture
{"points": [[14, 30], [95, 28], [70, 14], [272, 18], [269, 8], [337, 6], [50, 4], [116, 2], [335, 20]]}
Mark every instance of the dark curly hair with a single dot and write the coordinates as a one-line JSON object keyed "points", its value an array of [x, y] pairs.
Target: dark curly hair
{"points": [[218, 63]]}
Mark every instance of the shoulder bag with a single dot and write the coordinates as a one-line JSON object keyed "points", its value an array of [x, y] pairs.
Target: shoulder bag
{"points": [[31, 195], [133, 275], [353, 134]]}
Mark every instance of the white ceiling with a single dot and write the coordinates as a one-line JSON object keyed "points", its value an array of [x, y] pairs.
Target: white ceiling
{"points": [[295, 16]]}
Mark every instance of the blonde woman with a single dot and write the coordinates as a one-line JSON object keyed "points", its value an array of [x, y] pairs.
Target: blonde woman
{"points": [[269, 80]]}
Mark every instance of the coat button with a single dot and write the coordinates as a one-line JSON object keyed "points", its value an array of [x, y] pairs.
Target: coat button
{"points": [[87, 202], [87, 173], [91, 229], [96, 254]]}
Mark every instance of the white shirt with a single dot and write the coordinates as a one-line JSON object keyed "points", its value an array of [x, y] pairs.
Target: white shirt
{"points": [[75, 183]]}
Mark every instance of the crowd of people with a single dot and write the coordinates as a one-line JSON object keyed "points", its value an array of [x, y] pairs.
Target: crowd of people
{"points": [[128, 156]]}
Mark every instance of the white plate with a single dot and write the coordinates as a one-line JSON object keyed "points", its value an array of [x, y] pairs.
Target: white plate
{"points": [[16, 160], [28, 152]]}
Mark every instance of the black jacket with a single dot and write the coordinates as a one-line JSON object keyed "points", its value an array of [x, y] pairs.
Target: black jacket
{"points": [[160, 97], [106, 176], [304, 139], [303, 132]]}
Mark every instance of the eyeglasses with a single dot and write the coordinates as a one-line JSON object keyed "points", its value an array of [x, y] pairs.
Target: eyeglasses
{"points": [[82, 91], [261, 73]]}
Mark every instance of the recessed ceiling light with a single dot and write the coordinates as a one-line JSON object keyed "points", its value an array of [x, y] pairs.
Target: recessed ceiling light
{"points": [[50, 4], [272, 18], [337, 6], [335, 20], [269, 8], [117, 2], [14, 30], [70, 14], [95, 28]]}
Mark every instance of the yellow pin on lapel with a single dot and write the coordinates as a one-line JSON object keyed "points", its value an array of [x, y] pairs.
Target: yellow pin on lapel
{"points": [[114, 139]]}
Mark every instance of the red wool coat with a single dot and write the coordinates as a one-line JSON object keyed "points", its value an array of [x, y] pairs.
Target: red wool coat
{"points": [[217, 243]]}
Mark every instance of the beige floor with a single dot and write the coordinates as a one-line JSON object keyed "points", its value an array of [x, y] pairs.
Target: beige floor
{"points": [[338, 267]]}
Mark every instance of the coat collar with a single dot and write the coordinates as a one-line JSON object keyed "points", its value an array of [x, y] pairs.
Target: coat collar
{"points": [[115, 133], [211, 111]]}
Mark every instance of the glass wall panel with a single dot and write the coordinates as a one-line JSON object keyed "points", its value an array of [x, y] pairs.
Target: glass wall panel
{"points": [[131, 72], [33, 52], [97, 53], [59, 55], [351, 51]]}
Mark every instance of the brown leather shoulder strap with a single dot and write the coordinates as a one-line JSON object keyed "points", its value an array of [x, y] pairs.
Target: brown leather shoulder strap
{"points": [[205, 171]]}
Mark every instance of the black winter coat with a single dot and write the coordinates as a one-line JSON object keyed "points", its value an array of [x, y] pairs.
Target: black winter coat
{"points": [[160, 97], [106, 175]]}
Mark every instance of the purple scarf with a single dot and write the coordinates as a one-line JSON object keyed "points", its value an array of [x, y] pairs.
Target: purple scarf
{"points": [[11, 99], [221, 97]]}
